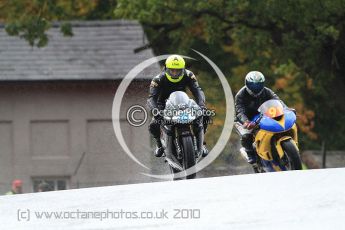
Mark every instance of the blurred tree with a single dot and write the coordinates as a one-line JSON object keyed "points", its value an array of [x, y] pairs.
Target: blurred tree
{"points": [[298, 44], [30, 19]]}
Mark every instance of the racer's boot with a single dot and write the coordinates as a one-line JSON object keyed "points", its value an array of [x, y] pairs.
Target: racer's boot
{"points": [[201, 144], [159, 151], [251, 156]]}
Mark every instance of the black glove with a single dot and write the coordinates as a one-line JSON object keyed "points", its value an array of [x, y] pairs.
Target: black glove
{"points": [[158, 118], [203, 109], [204, 113], [157, 114], [249, 125]]}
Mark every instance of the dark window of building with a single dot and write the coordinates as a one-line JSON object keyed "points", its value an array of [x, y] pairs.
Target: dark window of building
{"points": [[55, 183]]}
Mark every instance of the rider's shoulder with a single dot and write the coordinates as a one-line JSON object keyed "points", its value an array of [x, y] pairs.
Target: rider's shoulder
{"points": [[159, 77], [156, 80], [190, 74], [242, 92], [268, 90]]}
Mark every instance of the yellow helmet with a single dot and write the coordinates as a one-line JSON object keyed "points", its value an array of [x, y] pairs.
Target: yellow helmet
{"points": [[175, 65]]}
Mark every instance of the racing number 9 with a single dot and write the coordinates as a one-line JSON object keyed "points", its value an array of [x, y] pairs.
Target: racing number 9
{"points": [[274, 112]]}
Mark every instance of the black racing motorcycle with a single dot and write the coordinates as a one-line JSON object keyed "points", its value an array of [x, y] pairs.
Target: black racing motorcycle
{"points": [[177, 134]]}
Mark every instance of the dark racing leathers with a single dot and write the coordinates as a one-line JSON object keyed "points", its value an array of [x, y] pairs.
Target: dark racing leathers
{"points": [[246, 107], [160, 90]]}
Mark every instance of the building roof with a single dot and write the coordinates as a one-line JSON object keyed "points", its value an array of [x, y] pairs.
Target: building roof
{"points": [[99, 50]]}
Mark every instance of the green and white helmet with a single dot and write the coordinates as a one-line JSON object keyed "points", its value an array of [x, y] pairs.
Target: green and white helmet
{"points": [[255, 82]]}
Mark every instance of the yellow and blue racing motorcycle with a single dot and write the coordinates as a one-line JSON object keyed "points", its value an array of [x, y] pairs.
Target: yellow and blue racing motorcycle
{"points": [[276, 139]]}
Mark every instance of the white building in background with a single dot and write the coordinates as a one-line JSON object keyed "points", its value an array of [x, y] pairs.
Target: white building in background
{"points": [[56, 104]]}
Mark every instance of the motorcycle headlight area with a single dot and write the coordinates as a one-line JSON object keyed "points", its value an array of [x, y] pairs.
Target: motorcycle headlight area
{"points": [[180, 116]]}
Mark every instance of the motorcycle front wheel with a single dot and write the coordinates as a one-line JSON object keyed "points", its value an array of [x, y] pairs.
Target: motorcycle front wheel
{"points": [[292, 154], [188, 155]]}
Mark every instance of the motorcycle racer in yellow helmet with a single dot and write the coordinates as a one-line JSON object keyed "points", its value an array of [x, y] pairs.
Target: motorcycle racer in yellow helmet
{"points": [[175, 77], [175, 66]]}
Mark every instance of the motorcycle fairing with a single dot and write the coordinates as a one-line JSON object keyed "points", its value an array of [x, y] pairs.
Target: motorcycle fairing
{"points": [[284, 123], [263, 143], [290, 119]]}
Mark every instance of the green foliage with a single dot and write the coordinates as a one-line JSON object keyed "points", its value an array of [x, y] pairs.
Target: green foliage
{"points": [[30, 19], [31, 30], [66, 29], [298, 44]]}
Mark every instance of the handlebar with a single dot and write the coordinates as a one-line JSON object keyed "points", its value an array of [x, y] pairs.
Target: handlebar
{"points": [[257, 121]]}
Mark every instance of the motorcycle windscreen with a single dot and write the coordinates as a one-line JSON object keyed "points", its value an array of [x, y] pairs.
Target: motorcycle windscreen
{"points": [[181, 109], [272, 108], [178, 98]]}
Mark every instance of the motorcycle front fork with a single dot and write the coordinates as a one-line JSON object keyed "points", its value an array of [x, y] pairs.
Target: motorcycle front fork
{"points": [[178, 149], [195, 143]]}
